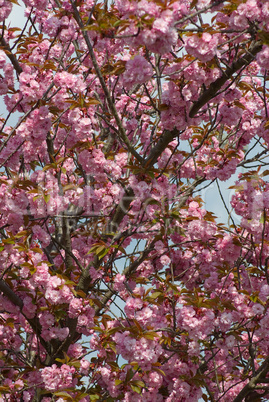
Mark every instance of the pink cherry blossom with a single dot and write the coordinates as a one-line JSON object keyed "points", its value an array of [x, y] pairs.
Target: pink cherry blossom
{"points": [[204, 47], [262, 58], [5, 9], [138, 71], [134, 200], [55, 378]]}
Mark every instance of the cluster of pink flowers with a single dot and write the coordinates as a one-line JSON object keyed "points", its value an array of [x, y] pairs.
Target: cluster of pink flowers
{"points": [[263, 57], [55, 378], [144, 351], [57, 292], [163, 35], [36, 127], [31, 86], [203, 47], [251, 10], [175, 115], [7, 80], [84, 313], [251, 202], [137, 71], [106, 252], [5, 9], [66, 80]]}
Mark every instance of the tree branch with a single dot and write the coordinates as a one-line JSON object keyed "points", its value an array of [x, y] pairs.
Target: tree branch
{"points": [[99, 74], [16, 300], [260, 375], [210, 93], [164, 140], [10, 55], [127, 272]]}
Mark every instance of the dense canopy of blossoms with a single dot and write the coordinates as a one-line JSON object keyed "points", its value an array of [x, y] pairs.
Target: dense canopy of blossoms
{"points": [[116, 283]]}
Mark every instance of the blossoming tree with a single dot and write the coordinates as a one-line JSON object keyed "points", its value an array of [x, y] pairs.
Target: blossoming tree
{"points": [[116, 283]]}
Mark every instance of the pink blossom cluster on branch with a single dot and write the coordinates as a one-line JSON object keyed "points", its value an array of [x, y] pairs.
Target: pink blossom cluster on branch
{"points": [[116, 282]]}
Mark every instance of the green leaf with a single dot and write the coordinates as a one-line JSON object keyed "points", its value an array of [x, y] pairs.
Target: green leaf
{"points": [[21, 234], [84, 395], [129, 375], [136, 389], [264, 36], [50, 166], [46, 198], [154, 295], [4, 389], [139, 383], [64, 394], [95, 397], [151, 201], [158, 370], [150, 335], [75, 363], [262, 219], [8, 241], [37, 250], [100, 251], [93, 101]]}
